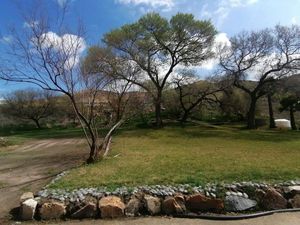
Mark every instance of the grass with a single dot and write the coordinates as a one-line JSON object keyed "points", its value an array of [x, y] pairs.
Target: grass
{"points": [[192, 154], [46, 133]]}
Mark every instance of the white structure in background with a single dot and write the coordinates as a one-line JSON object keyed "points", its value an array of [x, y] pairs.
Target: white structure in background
{"points": [[283, 124]]}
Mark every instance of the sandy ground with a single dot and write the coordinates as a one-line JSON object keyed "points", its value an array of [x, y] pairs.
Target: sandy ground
{"points": [[276, 219], [29, 167]]}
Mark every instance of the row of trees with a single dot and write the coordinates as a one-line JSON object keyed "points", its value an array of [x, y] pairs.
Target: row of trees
{"points": [[146, 54], [188, 98]]}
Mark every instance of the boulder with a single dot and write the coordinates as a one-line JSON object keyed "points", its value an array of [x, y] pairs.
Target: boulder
{"points": [[199, 202], [259, 194], [237, 203], [111, 207], [174, 205], [295, 201], [89, 210], [25, 196], [153, 204], [293, 190], [133, 207], [28, 208], [273, 200], [52, 210]]}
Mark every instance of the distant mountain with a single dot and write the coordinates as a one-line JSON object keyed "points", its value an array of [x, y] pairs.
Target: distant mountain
{"points": [[292, 83]]}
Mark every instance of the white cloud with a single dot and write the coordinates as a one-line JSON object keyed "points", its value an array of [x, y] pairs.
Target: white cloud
{"points": [[221, 40], [223, 9], [294, 20], [61, 3], [165, 4], [6, 39], [30, 24], [70, 45]]}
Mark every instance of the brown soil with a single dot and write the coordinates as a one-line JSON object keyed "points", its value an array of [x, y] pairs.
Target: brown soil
{"points": [[30, 166]]}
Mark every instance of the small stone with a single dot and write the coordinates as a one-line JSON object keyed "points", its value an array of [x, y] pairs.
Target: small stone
{"points": [[28, 208], [228, 193], [239, 194]]}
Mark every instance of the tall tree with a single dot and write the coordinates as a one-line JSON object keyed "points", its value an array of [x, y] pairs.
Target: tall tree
{"points": [[290, 103], [155, 46], [46, 53], [265, 55], [29, 104]]}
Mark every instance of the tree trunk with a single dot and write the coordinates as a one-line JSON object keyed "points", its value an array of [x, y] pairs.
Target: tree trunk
{"points": [[93, 154], [184, 116], [293, 122], [37, 123], [271, 113], [158, 119], [251, 114]]}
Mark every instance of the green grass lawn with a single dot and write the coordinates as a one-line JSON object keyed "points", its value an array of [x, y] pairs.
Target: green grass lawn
{"points": [[194, 155]]}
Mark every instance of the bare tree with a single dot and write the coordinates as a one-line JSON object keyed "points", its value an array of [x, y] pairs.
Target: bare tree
{"points": [[47, 54], [266, 55], [193, 92], [118, 97], [154, 47], [29, 104]]}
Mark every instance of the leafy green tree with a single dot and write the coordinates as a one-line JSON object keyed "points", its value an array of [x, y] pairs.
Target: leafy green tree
{"points": [[154, 46], [290, 103]]}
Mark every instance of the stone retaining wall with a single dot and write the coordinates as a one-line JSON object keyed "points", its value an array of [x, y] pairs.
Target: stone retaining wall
{"points": [[158, 200]]}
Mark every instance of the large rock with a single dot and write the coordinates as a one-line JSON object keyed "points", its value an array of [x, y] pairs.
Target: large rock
{"points": [[174, 205], [28, 208], [133, 207], [199, 202], [153, 204], [25, 196], [273, 200], [52, 210], [87, 211], [293, 190], [237, 203], [295, 201], [111, 207]]}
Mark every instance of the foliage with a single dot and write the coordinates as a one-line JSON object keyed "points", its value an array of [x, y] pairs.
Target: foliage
{"points": [[151, 48]]}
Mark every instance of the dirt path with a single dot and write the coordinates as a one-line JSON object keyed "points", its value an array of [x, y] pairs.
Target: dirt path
{"points": [[29, 167], [276, 219]]}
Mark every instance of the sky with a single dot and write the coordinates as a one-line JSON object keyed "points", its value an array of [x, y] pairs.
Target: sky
{"points": [[100, 16]]}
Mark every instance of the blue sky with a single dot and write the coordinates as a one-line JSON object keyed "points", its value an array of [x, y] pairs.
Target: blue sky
{"points": [[100, 16]]}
